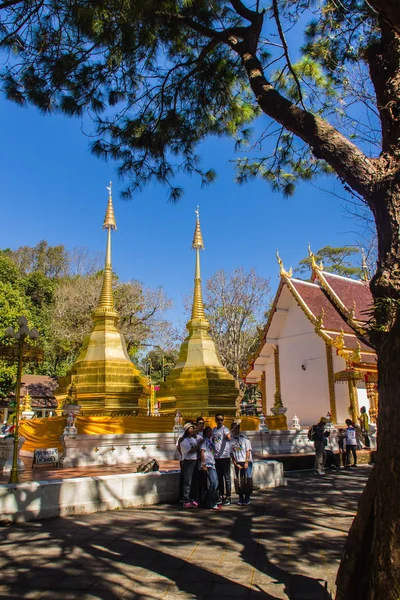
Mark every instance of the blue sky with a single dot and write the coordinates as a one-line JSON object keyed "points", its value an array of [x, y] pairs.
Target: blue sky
{"points": [[53, 189]]}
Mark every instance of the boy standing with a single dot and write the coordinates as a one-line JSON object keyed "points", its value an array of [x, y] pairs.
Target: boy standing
{"points": [[221, 438]]}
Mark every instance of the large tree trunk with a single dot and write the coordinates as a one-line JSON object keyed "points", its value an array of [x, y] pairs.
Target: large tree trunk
{"points": [[370, 567]]}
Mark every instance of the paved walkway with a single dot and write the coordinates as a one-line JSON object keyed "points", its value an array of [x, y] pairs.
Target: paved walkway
{"points": [[287, 544]]}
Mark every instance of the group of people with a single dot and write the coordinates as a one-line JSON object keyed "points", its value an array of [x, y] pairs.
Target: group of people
{"points": [[348, 443], [206, 454]]}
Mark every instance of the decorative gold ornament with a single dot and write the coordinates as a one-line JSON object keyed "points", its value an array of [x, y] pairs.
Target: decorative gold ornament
{"points": [[112, 449], [314, 264], [356, 355], [144, 447], [282, 271], [128, 448], [319, 321], [95, 449], [338, 342]]}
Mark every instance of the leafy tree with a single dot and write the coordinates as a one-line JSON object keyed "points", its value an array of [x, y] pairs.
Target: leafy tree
{"points": [[235, 305], [162, 75], [51, 261], [337, 260], [159, 363], [13, 304]]}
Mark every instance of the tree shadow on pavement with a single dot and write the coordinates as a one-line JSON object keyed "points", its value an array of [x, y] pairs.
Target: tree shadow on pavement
{"points": [[287, 544]]}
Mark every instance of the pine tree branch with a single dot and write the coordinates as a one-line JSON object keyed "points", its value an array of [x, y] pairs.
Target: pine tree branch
{"points": [[243, 11], [286, 51], [326, 142]]}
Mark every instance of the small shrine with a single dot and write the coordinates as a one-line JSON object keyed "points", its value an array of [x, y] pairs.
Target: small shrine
{"points": [[199, 384], [105, 379]]}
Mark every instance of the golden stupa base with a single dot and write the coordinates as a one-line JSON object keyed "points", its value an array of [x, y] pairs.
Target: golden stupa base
{"points": [[195, 391], [106, 388]]}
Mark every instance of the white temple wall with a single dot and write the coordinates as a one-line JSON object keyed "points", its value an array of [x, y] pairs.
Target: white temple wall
{"points": [[304, 391], [362, 396]]}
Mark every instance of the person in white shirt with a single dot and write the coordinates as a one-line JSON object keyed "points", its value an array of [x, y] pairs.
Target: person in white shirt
{"points": [[207, 454], [242, 459], [351, 442], [221, 438], [189, 448], [178, 447]]}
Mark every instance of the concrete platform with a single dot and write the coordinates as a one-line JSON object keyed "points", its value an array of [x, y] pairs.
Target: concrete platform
{"points": [[84, 495]]}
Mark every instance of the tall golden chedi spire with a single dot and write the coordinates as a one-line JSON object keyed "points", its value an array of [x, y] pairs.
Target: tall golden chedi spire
{"points": [[198, 384], [106, 380]]}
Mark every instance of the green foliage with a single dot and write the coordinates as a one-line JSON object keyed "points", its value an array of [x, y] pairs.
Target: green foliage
{"points": [[158, 364], [158, 77], [339, 260]]}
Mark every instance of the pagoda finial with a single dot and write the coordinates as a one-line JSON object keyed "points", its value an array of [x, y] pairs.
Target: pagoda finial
{"points": [[109, 219], [282, 271], [197, 238], [198, 307], [106, 300], [364, 266]]}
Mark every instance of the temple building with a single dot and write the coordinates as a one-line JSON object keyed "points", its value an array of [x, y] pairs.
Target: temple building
{"points": [[106, 380], [314, 355], [38, 392], [199, 384]]}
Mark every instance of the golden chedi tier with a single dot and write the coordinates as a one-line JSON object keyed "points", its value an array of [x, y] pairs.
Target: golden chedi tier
{"points": [[105, 378], [199, 384]]}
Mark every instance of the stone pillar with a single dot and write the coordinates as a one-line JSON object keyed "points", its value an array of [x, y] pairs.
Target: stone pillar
{"points": [[43, 413]]}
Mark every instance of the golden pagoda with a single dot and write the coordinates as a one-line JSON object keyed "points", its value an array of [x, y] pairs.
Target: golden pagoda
{"points": [[199, 384], [105, 378]]}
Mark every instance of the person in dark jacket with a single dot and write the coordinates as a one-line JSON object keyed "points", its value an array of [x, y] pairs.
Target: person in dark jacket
{"points": [[319, 445]]}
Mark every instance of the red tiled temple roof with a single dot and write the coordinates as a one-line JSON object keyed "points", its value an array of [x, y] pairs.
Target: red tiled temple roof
{"points": [[314, 297], [350, 291]]}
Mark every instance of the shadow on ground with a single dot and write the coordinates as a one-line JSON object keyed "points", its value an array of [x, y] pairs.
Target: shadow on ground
{"points": [[287, 544]]}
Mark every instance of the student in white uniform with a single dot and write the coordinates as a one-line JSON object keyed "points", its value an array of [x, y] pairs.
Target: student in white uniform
{"points": [[242, 459], [207, 454], [189, 449], [221, 438]]}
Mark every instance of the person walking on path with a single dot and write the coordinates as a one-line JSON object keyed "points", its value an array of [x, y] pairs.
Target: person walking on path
{"points": [[243, 462], [207, 453], [222, 441], [189, 449], [351, 443], [364, 424], [319, 440]]}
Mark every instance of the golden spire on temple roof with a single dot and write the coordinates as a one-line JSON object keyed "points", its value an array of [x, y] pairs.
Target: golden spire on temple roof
{"points": [[282, 270], [198, 307], [364, 266], [106, 299], [314, 264]]}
